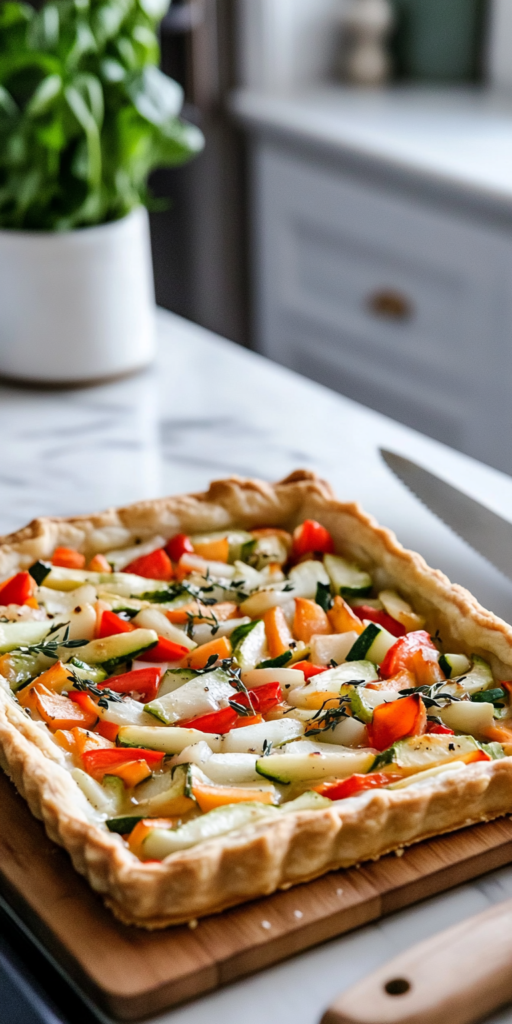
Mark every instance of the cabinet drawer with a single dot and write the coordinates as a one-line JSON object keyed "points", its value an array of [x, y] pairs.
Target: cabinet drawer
{"points": [[368, 286]]}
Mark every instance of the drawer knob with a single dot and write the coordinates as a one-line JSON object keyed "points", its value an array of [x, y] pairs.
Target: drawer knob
{"points": [[390, 305]]}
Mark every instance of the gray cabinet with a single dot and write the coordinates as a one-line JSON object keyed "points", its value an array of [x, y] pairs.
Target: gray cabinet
{"points": [[393, 300]]}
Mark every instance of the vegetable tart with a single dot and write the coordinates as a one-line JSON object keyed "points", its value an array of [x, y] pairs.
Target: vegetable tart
{"points": [[210, 697]]}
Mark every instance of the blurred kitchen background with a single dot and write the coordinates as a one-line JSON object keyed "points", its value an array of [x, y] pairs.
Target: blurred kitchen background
{"points": [[351, 214]]}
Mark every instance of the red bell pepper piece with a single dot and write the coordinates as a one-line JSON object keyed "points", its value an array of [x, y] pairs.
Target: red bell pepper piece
{"points": [[98, 762], [260, 698], [342, 788], [84, 701], [155, 566], [111, 624], [166, 650], [439, 730], [108, 730], [417, 653], [406, 716], [144, 681], [17, 589], [218, 721], [311, 536], [309, 669], [365, 611], [178, 546]]}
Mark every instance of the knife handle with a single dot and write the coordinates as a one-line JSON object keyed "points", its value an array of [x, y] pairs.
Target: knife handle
{"points": [[457, 977]]}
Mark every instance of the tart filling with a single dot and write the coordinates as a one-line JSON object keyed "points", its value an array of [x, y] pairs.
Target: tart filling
{"points": [[209, 697], [205, 682]]}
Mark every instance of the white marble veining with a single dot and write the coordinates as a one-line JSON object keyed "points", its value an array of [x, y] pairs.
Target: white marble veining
{"points": [[458, 136], [206, 410]]}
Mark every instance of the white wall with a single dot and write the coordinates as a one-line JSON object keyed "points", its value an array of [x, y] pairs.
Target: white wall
{"points": [[500, 45], [286, 43]]}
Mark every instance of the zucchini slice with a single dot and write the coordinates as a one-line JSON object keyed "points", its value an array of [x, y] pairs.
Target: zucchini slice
{"points": [[206, 693], [308, 801], [174, 678], [20, 668], [326, 648], [171, 739], [372, 644], [417, 753], [249, 644], [21, 634], [346, 578], [95, 673], [114, 650], [161, 842], [454, 664], [167, 794], [305, 578], [286, 768], [360, 708], [468, 716], [479, 678], [252, 739]]}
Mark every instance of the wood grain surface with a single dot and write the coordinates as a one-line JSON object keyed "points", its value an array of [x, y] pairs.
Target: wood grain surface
{"points": [[458, 976], [131, 973]]}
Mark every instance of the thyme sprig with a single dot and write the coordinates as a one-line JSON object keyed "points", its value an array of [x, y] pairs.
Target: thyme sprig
{"points": [[50, 648], [234, 674], [241, 709], [209, 620], [433, 697], [329, 718], [87, 686]]}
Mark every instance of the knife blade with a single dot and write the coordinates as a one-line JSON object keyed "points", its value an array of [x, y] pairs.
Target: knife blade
{"points": [[485, 531]]}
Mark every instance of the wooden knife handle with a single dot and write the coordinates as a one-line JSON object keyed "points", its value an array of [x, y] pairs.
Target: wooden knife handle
{"points": [[456, 977]]}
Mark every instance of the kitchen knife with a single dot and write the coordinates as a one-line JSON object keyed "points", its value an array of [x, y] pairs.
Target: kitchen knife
{"points": [[482, 529], [457, 977]]}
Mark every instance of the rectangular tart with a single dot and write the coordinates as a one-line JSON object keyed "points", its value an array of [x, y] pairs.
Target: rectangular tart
{"points": [[391, 722]]}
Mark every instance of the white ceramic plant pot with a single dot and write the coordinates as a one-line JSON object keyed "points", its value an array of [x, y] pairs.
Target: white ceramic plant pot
{"points": [[76, 306]]}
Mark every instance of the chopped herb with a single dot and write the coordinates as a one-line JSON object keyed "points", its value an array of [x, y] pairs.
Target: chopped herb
{"points": [[241, 632], [88, 686], [386, 757], [241, 708], [282, 659], [39, 571], [329, 718], [212, 660], [323, 596], [267, 747], [432, 695], [234, 673], [210, 620], [489, 697]]}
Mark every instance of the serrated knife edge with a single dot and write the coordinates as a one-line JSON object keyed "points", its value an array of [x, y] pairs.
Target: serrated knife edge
{"points": [[485, 531]]}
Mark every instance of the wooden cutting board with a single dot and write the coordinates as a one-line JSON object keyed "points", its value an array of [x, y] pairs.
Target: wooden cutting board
{"points": [[131, 973]]}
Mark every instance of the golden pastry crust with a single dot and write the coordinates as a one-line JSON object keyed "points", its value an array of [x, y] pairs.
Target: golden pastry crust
{"points": [[298, 846]]}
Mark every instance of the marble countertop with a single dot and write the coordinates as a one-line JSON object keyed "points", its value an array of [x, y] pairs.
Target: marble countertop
{"points": [[206, 410], [459, 136]]}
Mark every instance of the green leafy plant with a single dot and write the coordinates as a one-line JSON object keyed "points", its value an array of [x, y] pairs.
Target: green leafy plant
{"points": [[85, 113]]}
